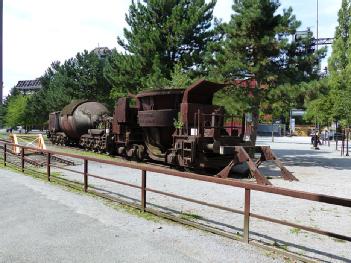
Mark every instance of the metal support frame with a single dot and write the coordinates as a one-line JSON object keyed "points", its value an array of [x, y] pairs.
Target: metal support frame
{"points": [[143, 190], [22, 160], [5, 153], [268, 155], [85, 175], [241, 156], [246, 216], [48, 166]]}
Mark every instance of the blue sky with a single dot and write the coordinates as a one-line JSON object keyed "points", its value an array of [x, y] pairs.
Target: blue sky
{"points": [[38, 32]]}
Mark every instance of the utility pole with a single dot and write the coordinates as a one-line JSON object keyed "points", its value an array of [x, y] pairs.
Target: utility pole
{"points": [[317, 27]]}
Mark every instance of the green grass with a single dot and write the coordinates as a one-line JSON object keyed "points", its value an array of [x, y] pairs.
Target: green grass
{"points": [[190, 216], [339, 240], [133, 211], [77, 187], [295, 231], [3, 136], [325, 209], [270, 254]]}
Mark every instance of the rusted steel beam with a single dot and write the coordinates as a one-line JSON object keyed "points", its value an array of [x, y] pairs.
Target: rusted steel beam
{"points": [[48, 167], [5, 150], [22, 160], [226, 170], [85, 173], [243, 156], [143, 190], [195, 201], [240, 157], [268, 155], [310, 229], [66, 169], [114, 181]]}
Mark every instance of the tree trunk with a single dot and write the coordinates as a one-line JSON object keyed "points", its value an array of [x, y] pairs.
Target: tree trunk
{"points": [[255, 110], [255, 119]]}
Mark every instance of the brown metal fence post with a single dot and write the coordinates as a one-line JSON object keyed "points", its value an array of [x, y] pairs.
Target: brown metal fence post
{"points": [[22, 160], [85, 175], [5, 150], [143, 190], [246, 216], [48, 163]]}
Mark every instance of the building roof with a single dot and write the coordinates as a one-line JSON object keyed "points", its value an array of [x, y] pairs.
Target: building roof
{"points": [[27, 85]]}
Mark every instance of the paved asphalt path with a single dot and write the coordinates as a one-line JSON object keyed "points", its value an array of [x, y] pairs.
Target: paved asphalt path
{"points": [[41, 222]]}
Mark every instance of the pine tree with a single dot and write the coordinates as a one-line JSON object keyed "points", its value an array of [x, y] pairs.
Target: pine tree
{"points": [[339, 57], [257, 45], [80, 77], [161, 34]]}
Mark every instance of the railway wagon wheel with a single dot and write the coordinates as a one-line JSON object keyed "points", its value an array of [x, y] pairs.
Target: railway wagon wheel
{"points": [[140, 153]]}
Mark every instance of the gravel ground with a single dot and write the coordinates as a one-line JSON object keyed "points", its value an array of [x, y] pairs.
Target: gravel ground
{"points": [[322, 171], [41, 222]]}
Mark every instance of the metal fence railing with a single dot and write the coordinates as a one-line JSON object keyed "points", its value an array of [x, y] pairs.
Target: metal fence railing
{"points": [[144, 168]]}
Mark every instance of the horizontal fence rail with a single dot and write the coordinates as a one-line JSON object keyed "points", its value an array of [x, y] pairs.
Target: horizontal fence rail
{"points": [[144, 168]]}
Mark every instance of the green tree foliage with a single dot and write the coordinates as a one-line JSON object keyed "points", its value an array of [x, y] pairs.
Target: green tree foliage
{"points": [[257, 45], [4, 106], [161, 34], [80, 77], [318, 111], [299, 96], [124, 73], [338, 60], [15, 114], [2, 115], [181, 78], [340, 65]]}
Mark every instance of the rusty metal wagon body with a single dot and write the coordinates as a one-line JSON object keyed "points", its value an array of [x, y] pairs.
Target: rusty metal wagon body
{"points": [[178, 127]]}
